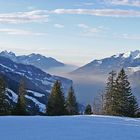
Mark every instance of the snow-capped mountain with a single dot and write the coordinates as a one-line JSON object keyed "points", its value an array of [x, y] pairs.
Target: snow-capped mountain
{"points": [[38, 83], [37, 60], [130, 61], [92, 77]]}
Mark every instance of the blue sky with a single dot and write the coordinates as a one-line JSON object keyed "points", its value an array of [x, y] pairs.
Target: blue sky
{"points": [[74, 32]]}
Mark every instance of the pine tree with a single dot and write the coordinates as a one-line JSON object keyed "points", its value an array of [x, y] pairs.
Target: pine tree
{"points": [[71, 104], [126, 104], [110, 94], [56, 101], [4, 105], [88, 110], [20, 108], [133, 107], [119, 99]]}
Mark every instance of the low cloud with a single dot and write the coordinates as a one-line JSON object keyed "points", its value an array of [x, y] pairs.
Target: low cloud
{"points": [[90, 31], [135, 3], [99, 12], [20, 32], [130, 37], [41, 16], [36, 16], [59, 25], [84, 4]]}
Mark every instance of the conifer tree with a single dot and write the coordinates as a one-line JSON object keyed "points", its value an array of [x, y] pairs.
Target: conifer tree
{"points": [[119, 99], [71, 104], [56, 101], [133, 107], [110, 94], [126, 104], [20, 108], [88, 110], [4, 105]]}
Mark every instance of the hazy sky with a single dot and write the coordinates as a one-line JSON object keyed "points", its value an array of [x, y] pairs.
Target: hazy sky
{"points": [[72, 31]]}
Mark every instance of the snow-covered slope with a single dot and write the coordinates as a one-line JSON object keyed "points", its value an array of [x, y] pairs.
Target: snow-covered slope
{"points": [[69, 128], [38, 83], [116, 62], [37, 60]]}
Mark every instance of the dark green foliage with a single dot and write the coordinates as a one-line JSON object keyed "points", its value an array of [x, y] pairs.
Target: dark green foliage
{"points": [[71, 104], [119, 99], [88, 110], [110, 94], [126, 102], [133, 107], [4, 105], [56, 101], [20, 108]]}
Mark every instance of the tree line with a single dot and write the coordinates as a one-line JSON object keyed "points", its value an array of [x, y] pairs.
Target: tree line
{"points": [[117, 100], [56, 105]]}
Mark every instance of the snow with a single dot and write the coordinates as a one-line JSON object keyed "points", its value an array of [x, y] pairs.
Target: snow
{"points": [[42, 107], [46, 82], [69, 128], [14, 96], [36, 94], [126, 55], [132, 54], [15, 66], [6, 67], [134, 69], [116, 56], [99, 61]]}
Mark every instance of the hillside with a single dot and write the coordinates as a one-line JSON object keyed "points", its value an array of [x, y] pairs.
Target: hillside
{"points": [[69, 128], [36, 60], [129, 61], [92, 76], [38, 83]]}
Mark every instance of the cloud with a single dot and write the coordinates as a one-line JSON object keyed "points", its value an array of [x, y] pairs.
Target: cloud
{"points": [[85, 4], [126, 36], [37, 16], [99, 12], [130, 37], [124, 2], [59, 25], [41, 16], [90, 31], [20, 32], [83, 26]]}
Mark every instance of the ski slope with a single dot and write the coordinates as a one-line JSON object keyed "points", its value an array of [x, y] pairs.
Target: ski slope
{"points": [[69, 128]]}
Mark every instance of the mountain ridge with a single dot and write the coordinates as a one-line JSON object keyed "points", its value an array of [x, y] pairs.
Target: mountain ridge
{"points": [[38, 83], [114, 62], [37, 60]]}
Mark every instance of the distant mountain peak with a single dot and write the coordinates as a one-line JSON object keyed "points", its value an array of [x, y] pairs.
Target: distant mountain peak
{"points": [[8, 53], [133, 54], [123, 60], [36, 54], [35, 59]]}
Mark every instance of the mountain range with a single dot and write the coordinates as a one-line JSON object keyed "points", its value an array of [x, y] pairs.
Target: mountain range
{"points": [[130, 61], [38, 83], [36, 60], [90, 79]]}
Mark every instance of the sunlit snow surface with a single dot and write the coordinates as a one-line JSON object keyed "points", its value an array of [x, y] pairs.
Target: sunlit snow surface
{"points": [[69, 128]]}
